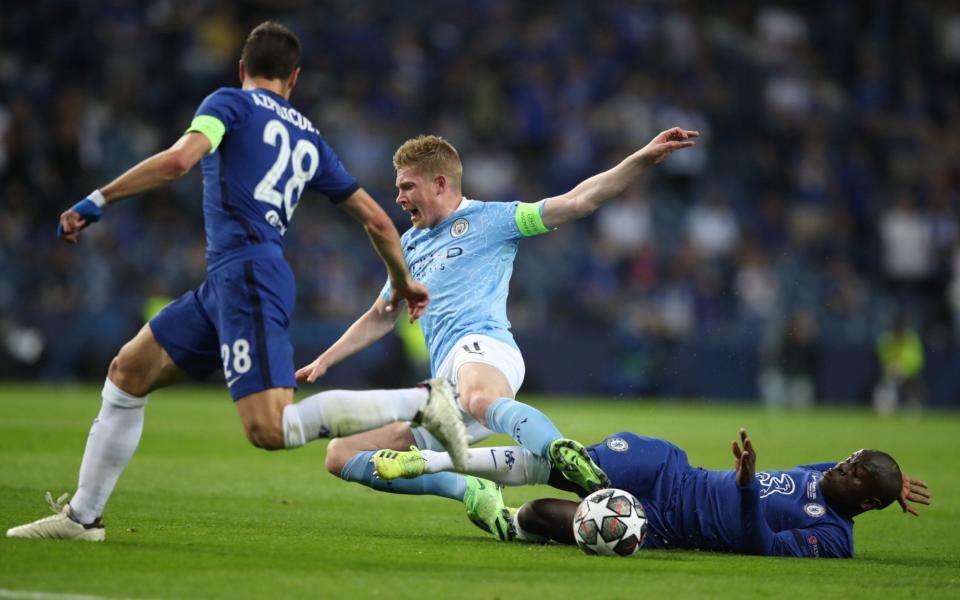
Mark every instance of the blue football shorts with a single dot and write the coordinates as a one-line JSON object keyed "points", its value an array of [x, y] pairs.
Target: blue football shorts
{"points": [[649, 468], [236, 320]]}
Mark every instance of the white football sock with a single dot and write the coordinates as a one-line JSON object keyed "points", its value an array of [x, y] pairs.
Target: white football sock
{"points": [[337, 413], [113, 439], [506, 465]]}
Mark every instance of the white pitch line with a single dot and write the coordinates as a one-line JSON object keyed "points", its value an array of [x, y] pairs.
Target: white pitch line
{"points": [[31, 595]]}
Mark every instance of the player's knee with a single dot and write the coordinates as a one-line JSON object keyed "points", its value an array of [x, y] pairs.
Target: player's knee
{"points": [[337, 456], [476, 401], [334, 461], [265, 435], [125, 374]]}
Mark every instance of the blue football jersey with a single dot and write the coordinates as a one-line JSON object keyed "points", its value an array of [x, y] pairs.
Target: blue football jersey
{"points": [[782, 513], [254, 176], [466, 261]]}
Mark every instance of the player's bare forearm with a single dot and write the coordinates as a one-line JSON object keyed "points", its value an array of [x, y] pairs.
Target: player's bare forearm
{"points": [[370, 327], [159, 169], [591, 193]]}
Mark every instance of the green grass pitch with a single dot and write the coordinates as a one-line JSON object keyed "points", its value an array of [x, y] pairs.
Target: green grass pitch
{"points": [[201, 514]]}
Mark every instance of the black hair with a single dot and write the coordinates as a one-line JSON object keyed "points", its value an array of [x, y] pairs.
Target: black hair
{"points": [[271, 51], [888, 480]]}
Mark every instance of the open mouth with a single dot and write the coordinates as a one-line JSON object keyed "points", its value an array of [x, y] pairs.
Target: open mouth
{"points": [[414, 213]]}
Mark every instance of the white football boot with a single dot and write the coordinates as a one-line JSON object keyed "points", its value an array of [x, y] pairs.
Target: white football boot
{"points": [[441, 416], [59, 526]]}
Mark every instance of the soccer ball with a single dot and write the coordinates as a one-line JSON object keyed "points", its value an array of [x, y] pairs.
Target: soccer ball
{"points": [[610, 522]]}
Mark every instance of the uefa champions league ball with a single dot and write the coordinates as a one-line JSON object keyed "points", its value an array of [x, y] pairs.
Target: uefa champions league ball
{"points": [[610, 522]]}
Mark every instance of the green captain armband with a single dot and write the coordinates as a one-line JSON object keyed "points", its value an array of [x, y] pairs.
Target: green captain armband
{"points": [[211, 127], [529, 219]]}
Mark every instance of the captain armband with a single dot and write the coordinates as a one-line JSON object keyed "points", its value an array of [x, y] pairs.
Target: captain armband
{"points": [[529, 218], [211, 127]]}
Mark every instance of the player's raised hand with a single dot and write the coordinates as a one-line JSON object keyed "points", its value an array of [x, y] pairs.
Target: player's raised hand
{"points": [[80, 215], [311, 372], [745, 462], [416, 296], [666, 143], [913, 490]]}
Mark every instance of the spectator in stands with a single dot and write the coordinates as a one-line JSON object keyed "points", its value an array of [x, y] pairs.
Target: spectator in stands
{"points": [[790, 378], [900, 353]]}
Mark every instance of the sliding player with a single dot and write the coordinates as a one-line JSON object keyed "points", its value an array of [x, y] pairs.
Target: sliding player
{"points": [[806, 511], [464, 251], [258, 155]]}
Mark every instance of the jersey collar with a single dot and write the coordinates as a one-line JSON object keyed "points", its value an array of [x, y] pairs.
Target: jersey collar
{"points": [[464, 205]]}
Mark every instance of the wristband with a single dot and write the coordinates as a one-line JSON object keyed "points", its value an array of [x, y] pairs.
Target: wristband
{"points": [[88, 209], [96, 196]]}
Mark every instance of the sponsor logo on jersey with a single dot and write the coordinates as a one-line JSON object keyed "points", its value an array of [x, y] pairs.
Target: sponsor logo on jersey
{"points": [[459, 227], [618, 444], [775, 484], [812, 487], [273, 218], [814, 510]]}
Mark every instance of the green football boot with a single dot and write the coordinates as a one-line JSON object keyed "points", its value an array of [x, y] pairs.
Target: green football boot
{"points": [[485, 508], [395, 464], [571, 459]]}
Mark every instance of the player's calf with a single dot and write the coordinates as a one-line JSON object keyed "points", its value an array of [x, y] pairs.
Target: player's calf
{"points": [[262, 414], [264, 435]]}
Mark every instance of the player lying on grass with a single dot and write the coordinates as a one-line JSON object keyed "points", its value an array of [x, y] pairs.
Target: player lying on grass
{"points": [[258, 155], [464, 250], [806, 511]]}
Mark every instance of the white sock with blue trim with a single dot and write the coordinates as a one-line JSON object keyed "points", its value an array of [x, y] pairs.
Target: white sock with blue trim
{"points": [[337, 413], [506, 465], [113, 439]]}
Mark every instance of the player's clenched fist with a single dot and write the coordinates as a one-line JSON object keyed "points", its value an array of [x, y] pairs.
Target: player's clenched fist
{"points": [[83, 213], [416, 296]]}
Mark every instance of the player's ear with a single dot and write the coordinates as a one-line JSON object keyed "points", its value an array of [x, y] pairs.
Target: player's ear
{"points": [[441, 183], [870, 504], [292, 81], [242, 72]]}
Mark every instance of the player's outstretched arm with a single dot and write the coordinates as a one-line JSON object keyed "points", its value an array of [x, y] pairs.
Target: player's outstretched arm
{"points": [[587, 197], [386, 241], [370, 327], [159, 169]]}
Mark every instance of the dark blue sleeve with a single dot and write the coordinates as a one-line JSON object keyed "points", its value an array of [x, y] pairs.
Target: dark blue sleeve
{"points": [[811, 542], [332, 179], [227, 105]]}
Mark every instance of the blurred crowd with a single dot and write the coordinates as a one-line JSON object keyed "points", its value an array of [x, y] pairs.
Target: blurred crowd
{"points": [[820, 203]]}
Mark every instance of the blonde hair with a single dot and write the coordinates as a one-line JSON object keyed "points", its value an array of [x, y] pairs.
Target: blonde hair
{"points": [[430, 155]]}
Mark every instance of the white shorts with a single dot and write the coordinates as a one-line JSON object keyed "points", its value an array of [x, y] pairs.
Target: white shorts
{"points": [[475, 348]]}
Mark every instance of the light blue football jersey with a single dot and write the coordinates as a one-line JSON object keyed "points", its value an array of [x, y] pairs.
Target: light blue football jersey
{"points": [[466, 261]]}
